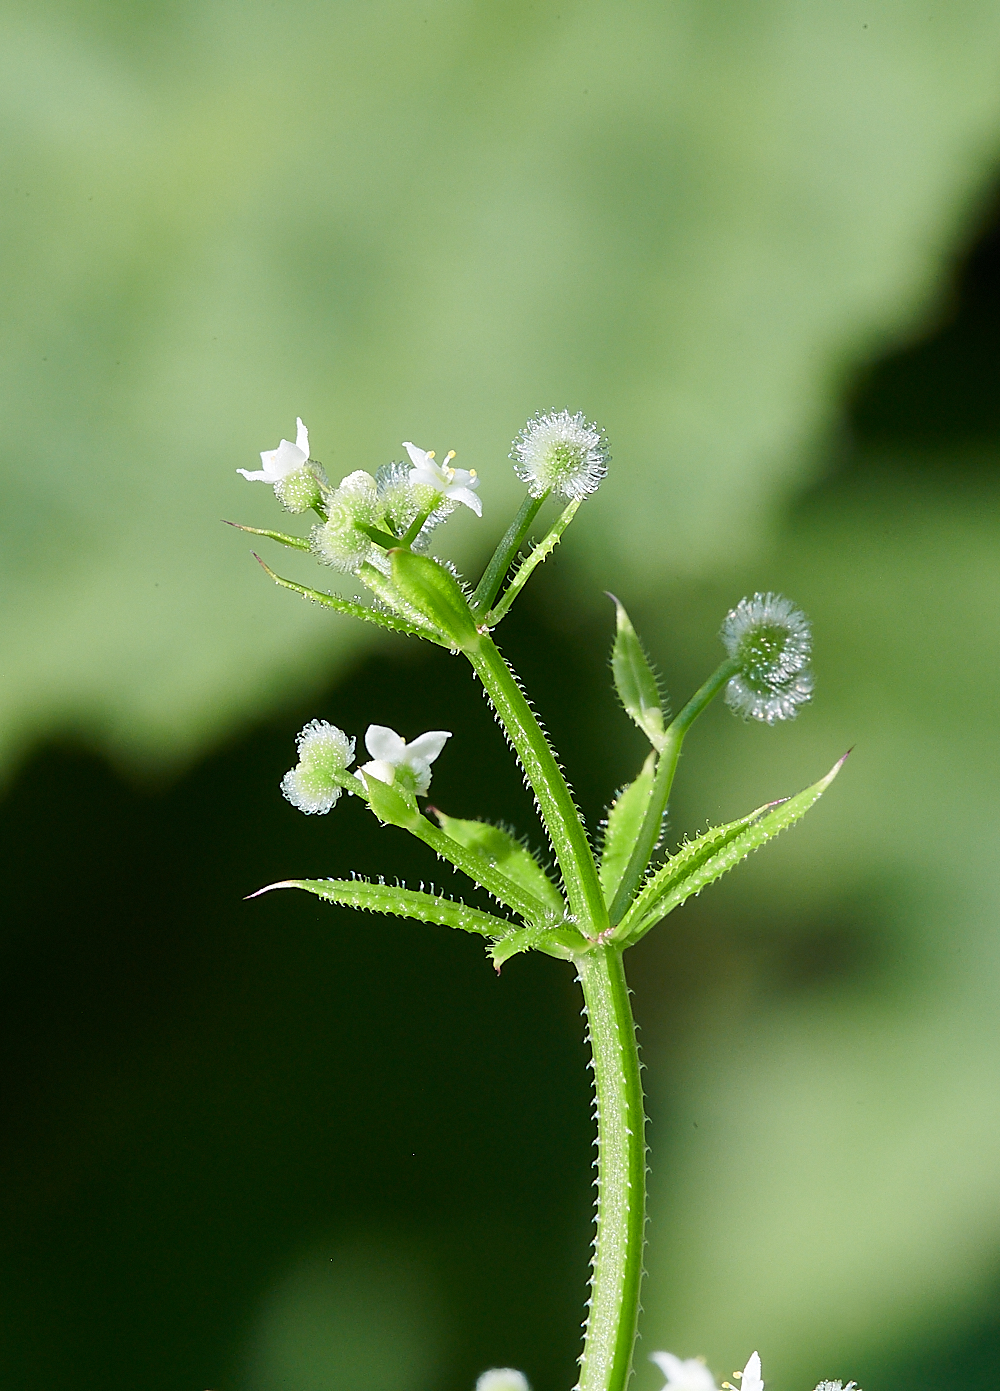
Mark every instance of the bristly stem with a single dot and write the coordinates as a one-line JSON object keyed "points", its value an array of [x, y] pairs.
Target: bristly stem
{"points": [[621, 1174], [555, 801], [530, 563], [503, 557], [666, 767]]}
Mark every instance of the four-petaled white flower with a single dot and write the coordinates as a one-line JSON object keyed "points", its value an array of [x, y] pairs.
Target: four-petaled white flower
{"points": [[456, 484], [279, 463], [688, 1374], [394, 760]]}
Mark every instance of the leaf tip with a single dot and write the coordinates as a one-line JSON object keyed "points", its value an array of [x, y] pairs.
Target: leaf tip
{"points": [[281, 884]]}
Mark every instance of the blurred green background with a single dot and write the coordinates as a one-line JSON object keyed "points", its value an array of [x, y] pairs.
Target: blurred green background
{"points": [[272, 1146]]}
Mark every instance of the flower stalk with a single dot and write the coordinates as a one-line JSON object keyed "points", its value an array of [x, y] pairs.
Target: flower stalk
{"points": [[376, 527]]}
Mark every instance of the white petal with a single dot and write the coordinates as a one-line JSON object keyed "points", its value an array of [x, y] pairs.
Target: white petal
{"points": [[465, 478], [418, 457], [384, 743], [421, 771], [258, 476], [751, 1374], [683, 1375], [465, 495], [378, 768], [301, 437], [429, 476], [427, 746]]}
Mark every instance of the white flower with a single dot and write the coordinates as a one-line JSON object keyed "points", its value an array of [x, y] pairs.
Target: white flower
{"points": [[456, 484], [324, 752], [837, 1386], [394, 760], [770, 637], [279, 463], [561, 452], [502, 1379], [688, 1375]]}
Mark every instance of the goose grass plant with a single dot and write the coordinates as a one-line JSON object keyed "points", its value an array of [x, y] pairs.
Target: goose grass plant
{"points": [[379, 528]]}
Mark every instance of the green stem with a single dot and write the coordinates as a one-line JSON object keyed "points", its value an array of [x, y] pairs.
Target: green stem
{"points": [[500, 562], [555, 801], [666, 767], [415, 528], [525, 570], [621, 1174]]}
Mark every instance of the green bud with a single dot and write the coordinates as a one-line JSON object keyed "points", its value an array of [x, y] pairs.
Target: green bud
{"points": [[435, 594]]}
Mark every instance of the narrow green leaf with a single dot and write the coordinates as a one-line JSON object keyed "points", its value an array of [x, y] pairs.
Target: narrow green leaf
{"points": [[624, 822], [634, 680], [706, 859], [500, 850], [345, 606], [404, 903], [436, 594], [300, 543], [394, 809]]}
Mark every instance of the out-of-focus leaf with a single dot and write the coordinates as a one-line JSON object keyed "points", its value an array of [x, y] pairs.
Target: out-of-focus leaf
{"points": [[711, 855], [683, 221], [400, 901], [635, 682], [624, 820], [500, 850]]}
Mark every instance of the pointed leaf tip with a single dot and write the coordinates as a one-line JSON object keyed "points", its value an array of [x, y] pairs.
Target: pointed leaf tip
{"points": [[281, 884], [635, 681]]}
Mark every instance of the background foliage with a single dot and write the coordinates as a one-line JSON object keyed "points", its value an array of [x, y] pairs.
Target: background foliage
{"points": [[270, 1145]]}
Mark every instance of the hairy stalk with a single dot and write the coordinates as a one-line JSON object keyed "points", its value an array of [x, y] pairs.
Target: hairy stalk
{"points": [[527, 567], [555, 801], [503, 557], [621, 1174], [666, 767]]}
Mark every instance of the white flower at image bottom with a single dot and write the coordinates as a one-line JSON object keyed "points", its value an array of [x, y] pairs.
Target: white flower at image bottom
{"points": [[689, 1374], [279, 463], [394, 760]]}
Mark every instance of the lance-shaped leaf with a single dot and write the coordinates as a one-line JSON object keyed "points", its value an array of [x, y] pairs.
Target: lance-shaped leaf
{"points": [[500, 850], [404, 903], [392, 808], [383, 618], [702, 861], [635, 682], [624, 822]]}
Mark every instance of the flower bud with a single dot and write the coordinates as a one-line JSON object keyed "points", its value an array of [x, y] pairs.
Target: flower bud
{"points": [[325, 754], [770, 638], [340, 540], [562, 453]]}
